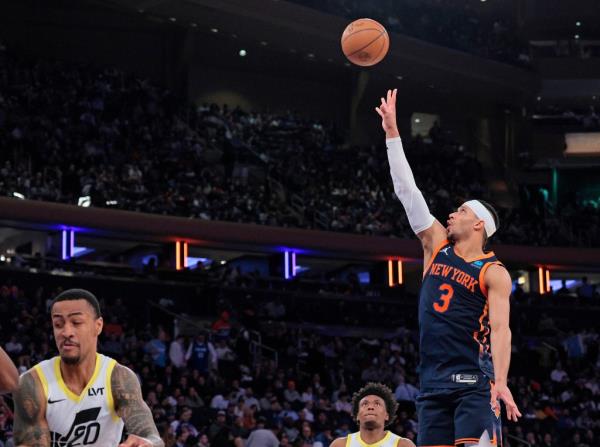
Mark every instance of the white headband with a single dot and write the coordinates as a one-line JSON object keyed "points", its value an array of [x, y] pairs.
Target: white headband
{"points": [[484, 214]]}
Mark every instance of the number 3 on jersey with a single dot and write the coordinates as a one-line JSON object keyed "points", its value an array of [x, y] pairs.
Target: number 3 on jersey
{"points": [[445, 297]]}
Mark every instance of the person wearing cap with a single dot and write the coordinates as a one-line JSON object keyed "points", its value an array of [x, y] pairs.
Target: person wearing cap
{"points": [[217, 425], [465, 338], [373, 408]]}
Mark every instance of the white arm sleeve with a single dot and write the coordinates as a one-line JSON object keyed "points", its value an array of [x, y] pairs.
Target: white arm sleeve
{"points": [[406, 189]]}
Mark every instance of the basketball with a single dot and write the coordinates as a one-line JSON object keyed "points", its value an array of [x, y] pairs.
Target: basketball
{"points": [[365, 42]]}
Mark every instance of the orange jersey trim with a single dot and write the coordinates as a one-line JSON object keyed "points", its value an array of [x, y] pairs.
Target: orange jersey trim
{"points": [[487, 255], [482, 285], [482, 328], [426, 269]]}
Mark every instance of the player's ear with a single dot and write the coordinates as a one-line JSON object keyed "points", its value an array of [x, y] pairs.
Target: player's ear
{"points": [[99, 325]]}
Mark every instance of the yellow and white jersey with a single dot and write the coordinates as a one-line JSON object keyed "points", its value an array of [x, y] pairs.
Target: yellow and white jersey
{"points": [[85, 420], [389, 440]]}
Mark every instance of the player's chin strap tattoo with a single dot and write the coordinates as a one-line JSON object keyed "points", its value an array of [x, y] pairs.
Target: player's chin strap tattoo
{"points": [[130, 406], [31, 428]]}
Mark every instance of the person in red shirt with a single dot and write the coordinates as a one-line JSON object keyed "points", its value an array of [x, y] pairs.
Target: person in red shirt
{"points": [[222, 326]]}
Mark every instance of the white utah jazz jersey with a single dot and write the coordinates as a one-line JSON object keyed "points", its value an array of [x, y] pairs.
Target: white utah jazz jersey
{"points": [[85, 420], [389, 440]]}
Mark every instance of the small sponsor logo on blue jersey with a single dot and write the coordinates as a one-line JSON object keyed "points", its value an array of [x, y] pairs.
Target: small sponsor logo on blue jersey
{"points": [[477, 264]]}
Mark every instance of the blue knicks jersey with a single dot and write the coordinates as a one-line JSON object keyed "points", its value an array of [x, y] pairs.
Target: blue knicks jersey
{"points": [[453, 320]]}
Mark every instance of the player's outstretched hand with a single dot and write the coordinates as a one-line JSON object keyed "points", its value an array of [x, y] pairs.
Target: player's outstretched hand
{"points": [[502, 393], [387, 111], [135, 441]]}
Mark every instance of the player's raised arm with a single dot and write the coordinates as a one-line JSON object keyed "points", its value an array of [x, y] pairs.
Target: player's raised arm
{"points": [[130, 406], [9, 377], [429, 230], [31, 428]]}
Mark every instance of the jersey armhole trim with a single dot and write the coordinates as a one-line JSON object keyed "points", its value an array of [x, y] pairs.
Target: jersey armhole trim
{"points": [[482, 285], [434, 253], [40, 372], [109, 395]]}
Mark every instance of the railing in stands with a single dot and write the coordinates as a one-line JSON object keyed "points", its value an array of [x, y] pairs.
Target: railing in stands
{"points": [[519, 440], [321, 220], [260, 350], [297, 203], [255, 336]]}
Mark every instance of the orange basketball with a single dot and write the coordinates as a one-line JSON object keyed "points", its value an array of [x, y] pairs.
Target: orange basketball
{"points": [[365, 42]]}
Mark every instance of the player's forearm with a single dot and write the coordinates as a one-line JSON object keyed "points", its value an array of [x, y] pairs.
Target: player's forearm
{"points": [[406, 188], [36, 437], [154, 440], [9, 376], [501, 348]]}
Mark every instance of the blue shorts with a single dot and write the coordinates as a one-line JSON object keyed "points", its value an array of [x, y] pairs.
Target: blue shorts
{"points": [[451, 417]]}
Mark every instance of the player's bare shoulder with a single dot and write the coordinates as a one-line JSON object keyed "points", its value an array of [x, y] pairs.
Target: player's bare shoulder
{"points": [[339, 442], [498, 270], [432, 239], [498, 278], [405, 442], [432, 236]]}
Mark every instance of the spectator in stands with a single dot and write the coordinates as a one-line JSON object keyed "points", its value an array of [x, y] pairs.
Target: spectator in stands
{"points": [[291, 395], [585, 290], [262, 437], [405, 391], [201, 355], [177, 352], [157, 349], [558, 398], [218, 425], [222, 326], [13, 347], [145, 151], [564, 290], [452, 23], [183, 423]]}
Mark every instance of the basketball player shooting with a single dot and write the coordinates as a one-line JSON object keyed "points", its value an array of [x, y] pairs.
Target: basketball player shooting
{"points": [[374, 407], [465, 339], [81, 397]]}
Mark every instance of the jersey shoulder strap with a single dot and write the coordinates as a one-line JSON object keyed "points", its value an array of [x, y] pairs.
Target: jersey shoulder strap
{"points": [[434, 253], [486, 266]]}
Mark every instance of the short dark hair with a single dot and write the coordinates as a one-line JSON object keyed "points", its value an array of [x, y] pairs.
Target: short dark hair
{"points": [[79, 294], [380, 390], [494, 214]]}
